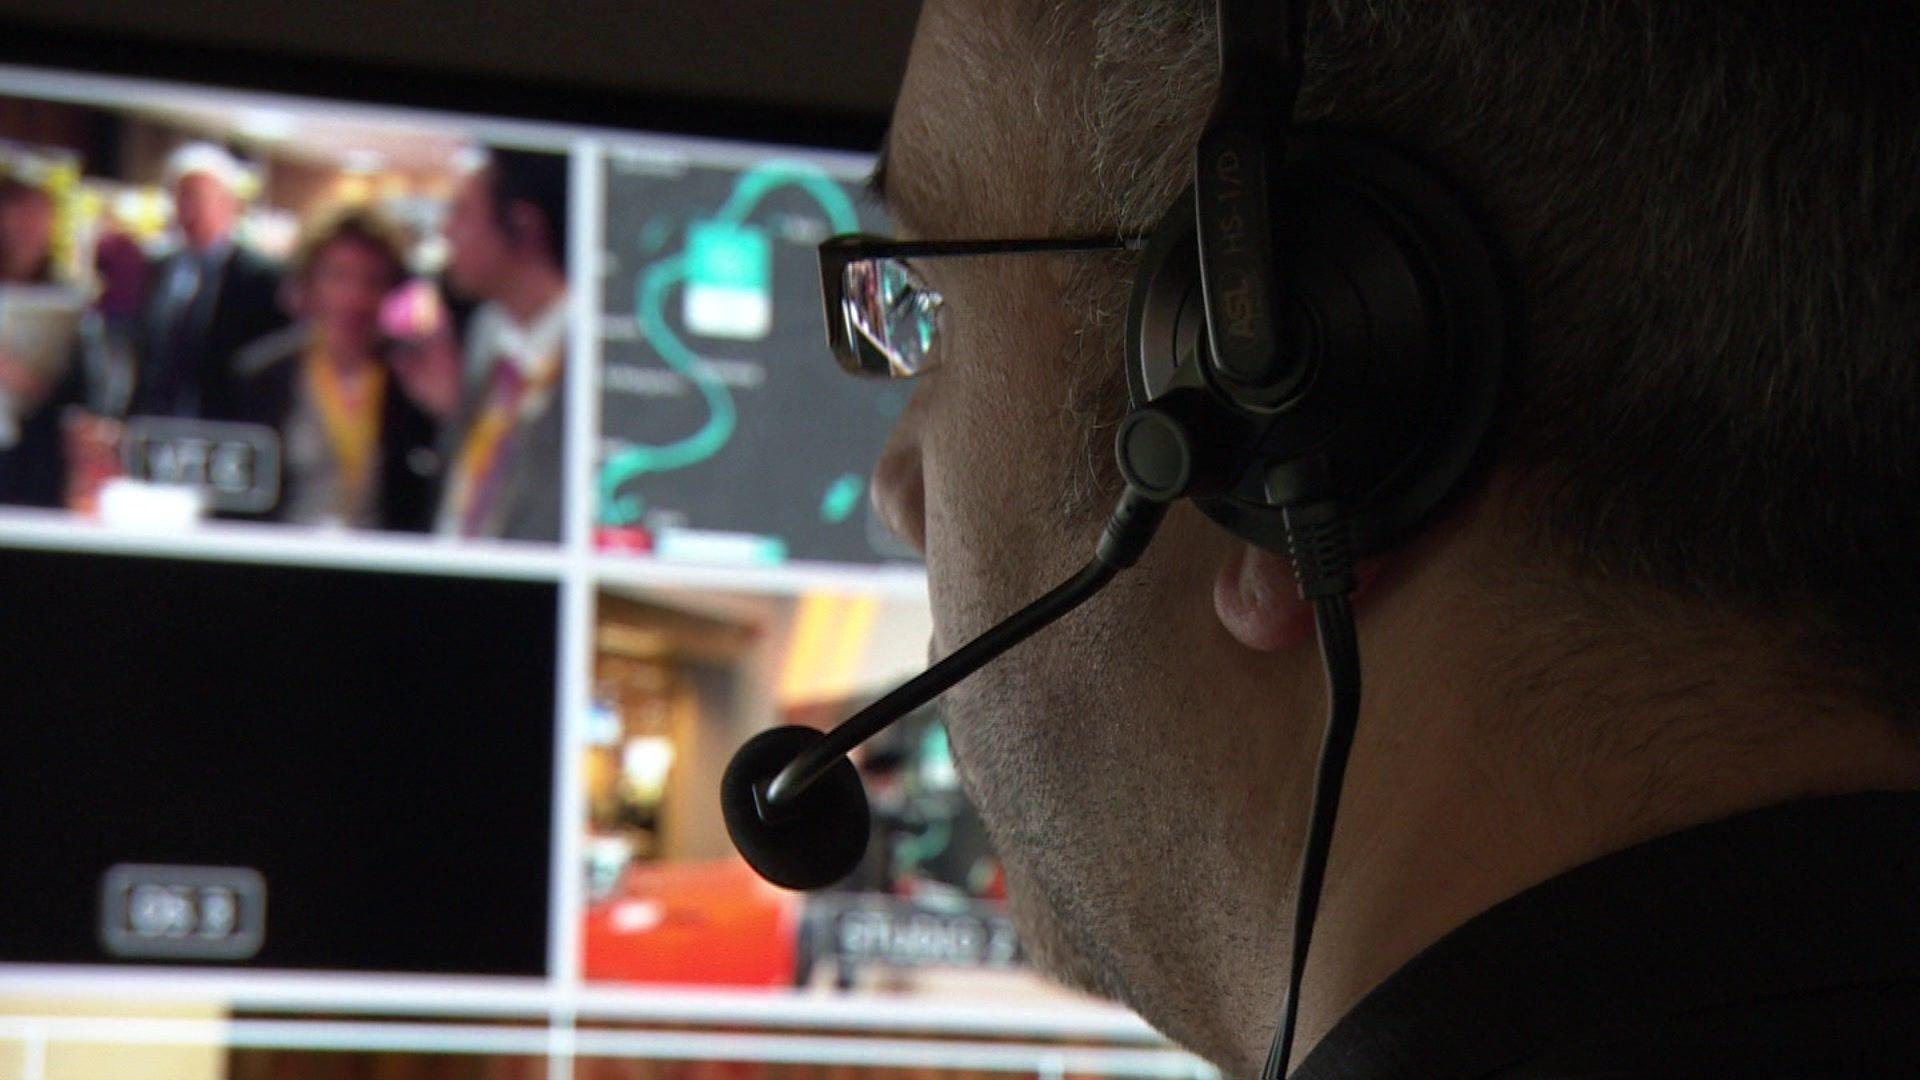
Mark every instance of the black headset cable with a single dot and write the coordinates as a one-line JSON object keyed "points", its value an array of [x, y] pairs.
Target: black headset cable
{"points": [[1323, 565]]}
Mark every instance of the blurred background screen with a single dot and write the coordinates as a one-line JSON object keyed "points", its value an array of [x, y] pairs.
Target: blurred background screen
{"points": [[420, 468]]}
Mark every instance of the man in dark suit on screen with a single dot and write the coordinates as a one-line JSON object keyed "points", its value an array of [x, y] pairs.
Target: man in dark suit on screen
{"points": [[207, 300], [506, 232]]}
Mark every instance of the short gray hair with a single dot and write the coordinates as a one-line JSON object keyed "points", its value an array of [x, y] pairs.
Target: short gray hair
{"points": [[1712, 213], [1153, 77]]}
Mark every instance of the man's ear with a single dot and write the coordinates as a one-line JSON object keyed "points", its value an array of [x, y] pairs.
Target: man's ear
{"points": [[527, 227], [1256, 599], [292, 296]]}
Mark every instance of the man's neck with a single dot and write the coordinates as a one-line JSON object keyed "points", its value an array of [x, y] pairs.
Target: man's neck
{"points": [[351, 359], [530, 292], [1467, 790]]}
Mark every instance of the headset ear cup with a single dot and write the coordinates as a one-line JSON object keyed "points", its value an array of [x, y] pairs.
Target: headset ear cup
{"points": [[1407, 312], [1166, 319]]}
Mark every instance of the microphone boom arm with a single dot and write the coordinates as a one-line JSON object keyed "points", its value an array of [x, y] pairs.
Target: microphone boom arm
{"points": [[1127, 534]]}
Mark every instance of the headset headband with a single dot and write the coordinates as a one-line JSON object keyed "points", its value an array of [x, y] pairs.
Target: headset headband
{"points": [[1245, 138]]}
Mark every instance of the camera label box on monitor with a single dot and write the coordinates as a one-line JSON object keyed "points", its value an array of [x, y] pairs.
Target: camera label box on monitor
{"points": [[236, 466], [183, 912]]}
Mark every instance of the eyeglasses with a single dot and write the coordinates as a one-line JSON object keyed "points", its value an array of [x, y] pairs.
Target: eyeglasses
{"points": [[882, 319]]}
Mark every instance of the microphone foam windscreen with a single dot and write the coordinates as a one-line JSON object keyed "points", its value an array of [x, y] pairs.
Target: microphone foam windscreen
{"points": [[814, 841]]}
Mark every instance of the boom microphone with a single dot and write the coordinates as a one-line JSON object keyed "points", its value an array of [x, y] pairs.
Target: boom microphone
{"points": [[793, 802]]}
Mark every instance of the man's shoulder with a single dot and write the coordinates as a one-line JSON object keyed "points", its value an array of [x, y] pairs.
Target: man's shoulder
{"points": [[271, 355], [250, 263], [1859, 1030], [1780, 936]]}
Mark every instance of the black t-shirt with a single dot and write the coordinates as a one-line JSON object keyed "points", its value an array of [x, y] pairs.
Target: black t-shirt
{"points": [[1781, 942]]}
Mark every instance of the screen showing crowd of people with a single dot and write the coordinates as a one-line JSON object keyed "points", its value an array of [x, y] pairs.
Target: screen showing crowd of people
{"points": [[333, 363]]}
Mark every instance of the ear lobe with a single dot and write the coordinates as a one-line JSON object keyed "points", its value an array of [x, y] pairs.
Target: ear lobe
{"points": [[1258, 601], [526, 224], [293, 297], [1255, 599]]}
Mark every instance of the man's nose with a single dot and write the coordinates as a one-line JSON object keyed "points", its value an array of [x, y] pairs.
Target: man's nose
{"points": [[899, 484]]}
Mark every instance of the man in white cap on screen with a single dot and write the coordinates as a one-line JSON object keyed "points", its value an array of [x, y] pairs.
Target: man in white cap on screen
{"points": [[208, 298]]}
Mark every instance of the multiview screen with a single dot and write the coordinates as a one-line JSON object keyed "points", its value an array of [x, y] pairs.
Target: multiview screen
{"points": [[403, 516], [214, 309]]}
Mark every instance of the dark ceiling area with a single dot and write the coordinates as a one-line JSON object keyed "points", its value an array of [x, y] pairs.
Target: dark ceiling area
{"points": [[819, 70]]}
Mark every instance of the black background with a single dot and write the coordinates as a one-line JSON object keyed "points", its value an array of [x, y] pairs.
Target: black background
{"points": [[817, 73], [378, 746]]}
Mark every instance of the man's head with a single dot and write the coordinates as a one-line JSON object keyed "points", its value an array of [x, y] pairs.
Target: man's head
{"points": [[507, 216], [1706, 454], [347, 261], [26, 230], [205, 181]]}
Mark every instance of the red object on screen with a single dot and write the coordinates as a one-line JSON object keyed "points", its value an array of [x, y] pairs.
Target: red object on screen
{"points": [[625, 540], [706, 924]]}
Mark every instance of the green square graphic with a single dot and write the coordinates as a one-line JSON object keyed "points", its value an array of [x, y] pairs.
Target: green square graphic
{"points": [[729, 290], [723, 255]]}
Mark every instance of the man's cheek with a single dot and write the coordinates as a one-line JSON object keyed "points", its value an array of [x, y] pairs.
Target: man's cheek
{"points": [[962, 762]]}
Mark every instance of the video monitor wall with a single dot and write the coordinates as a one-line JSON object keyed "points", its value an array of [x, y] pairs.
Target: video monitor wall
{"points": [[403, 516]]}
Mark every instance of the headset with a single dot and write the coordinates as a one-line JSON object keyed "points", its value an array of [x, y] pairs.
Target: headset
{"points": [[1314, 352]]}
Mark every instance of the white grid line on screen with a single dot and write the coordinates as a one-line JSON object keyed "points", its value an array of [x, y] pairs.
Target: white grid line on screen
{"points": [[33, 1056], [286, 545], [794, 578], [245, 989], [334, 1035], [1016, 1019], [282, 545], [567, 907], [511, 998]]}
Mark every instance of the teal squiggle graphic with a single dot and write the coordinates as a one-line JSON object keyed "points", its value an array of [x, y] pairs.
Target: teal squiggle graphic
{"points": [[639, 460], [630, 463], [769, 176]]}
